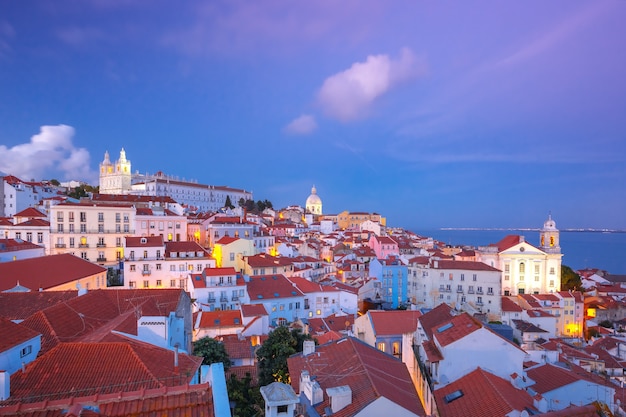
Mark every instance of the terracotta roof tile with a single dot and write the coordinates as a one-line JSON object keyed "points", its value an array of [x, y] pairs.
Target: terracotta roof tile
{"points": [[30, 212], [46, 271], [549, 377], [12, 334], [21, 305], [221, 318], [366, 370], [75, 369], [455, 329], [253, 310], [483, 394], [144, 241], [509, 305], [267, 287], [435, 317], [396, 322]]}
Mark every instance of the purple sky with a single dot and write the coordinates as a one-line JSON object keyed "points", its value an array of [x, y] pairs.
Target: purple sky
{"points": [[434, 114]]}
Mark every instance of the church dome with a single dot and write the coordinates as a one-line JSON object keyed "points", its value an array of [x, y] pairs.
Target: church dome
{"points": [[549, 224], [314, 202]]}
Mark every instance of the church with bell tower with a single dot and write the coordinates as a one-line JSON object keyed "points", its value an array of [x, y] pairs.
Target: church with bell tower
{"points": [[115, 178]]}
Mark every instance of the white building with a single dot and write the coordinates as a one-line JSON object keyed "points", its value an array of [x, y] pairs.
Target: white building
{"points": [[17, 195], [527, 269], [314, 203], [118, 179]]}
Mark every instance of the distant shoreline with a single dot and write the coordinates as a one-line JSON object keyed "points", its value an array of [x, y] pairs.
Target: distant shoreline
{"points": [[530, 229]]}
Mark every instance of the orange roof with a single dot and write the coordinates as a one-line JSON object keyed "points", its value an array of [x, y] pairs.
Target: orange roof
{"points": [[226, 240], [30, 212], [509, 305], [396, 322], [99, 368], [465, 265], [221, 318], [12, 334], [179, 401], [253, 310], [366, 370], [145, 241], [46, 271], [435, 317], [456, 329], [481, 394], [268, 287], [549, 377], [20, 305]]}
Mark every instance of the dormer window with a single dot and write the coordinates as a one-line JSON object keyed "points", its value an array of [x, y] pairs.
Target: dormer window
{"points": [[143, 240]]}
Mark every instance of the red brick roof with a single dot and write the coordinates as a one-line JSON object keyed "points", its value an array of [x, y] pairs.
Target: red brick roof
{"points": [[366, 370], [238, 348], [483, 394], [436, 317], [388, 323], [509, 305], [508, 242], [216, 272], [11, 245], [130, 199], [179, 401], [74, 369], [34, 223], [12, 334], [225, 240], [46, 271], [184, 246]]}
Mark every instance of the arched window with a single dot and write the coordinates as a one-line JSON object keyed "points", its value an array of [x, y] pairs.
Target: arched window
{"points": [[522, 268]]}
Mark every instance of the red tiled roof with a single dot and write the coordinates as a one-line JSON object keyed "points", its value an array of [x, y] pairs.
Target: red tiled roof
{"points": [[100, 368], [509, 305], [238, 348], [226, 240], [216, 272], [129, 199], [456, 328], [30, 212], [221, 318], [465, 265], [180, 401], [435, 317], [483, 394], [387, 323], [366, 370], [184, 246], [20, 305], [268, 287], [34, 223], [10, 245], [244, 371], [12, 334], [46, 271], [508, 242], [145, 242], [253, 310], [549, 377]]}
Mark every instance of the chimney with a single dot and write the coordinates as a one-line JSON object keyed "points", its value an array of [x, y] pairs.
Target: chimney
{"points": [[340, 397], [176, 358], [5, 385], [308, 347], [310, 388]]}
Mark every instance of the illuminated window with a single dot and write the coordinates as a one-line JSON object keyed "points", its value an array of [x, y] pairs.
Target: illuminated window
{"points": [[381, 346]]}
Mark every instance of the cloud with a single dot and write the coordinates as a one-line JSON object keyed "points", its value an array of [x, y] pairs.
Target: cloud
{"points": [[302, 125], [48, 154], [349, 94]]}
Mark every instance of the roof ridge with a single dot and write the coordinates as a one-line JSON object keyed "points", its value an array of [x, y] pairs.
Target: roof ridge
{"points": [[136, 355]]}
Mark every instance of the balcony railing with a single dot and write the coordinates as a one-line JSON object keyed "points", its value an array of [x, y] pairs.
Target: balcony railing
{"points": [[146, 272], [60, 245], [223, 299], [101, 245], [96, 231], [83, 245], [211, 300], [101, 259]]}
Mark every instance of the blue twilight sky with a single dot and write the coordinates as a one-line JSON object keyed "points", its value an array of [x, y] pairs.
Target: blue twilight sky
{"points": [[432, 113]]}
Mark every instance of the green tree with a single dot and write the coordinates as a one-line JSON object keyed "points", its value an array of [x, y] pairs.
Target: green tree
{"points": [[570, 280], [241, 202], [228, 203], [212, 351], [268, 204], [260, 206], [250, 206], [273, 353], [246, 397], [55, 182]]}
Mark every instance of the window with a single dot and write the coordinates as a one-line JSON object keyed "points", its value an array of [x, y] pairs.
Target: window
{"points": [[396, 348], [71, 216], [83, 255], [132, 268], [552, 270], [100, 217], [60, 216], [474, 277], [158, 283], [83, 216], [462, 277], [118, 242], [100, 228], [29, 236], [83, 228], [118, 228], [381, 346], [297, 305], [117, 217], [232, 256], [318, 312], [146, 284], [172, 283], [522, 268], [506, 277], [490, 290], [71, 227], [459, 288], [126, 228], [506, 267], [39, 237], [479, 290], [60, 227], [479, 300], [131, 284], [158, 267], [158, 254], [125, 217], [26, 350], [145, 254], [552, 283]]}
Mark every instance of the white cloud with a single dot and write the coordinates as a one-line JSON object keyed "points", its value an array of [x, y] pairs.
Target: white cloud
{"points": [[302, 125], [49, 154], [349, 94]]}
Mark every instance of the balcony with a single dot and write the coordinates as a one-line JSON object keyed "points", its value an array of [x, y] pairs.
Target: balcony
{"points": [[60, 245], [470, 291], [459, 290], [479, 292], [101, 245], [146, 272], [235, 298], [101, 259], [223, 299], [211, 300], [83, 245]]}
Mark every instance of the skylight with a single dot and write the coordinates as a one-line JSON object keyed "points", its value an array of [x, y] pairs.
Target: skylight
{"points": [[444, 327], [453, 396]]}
